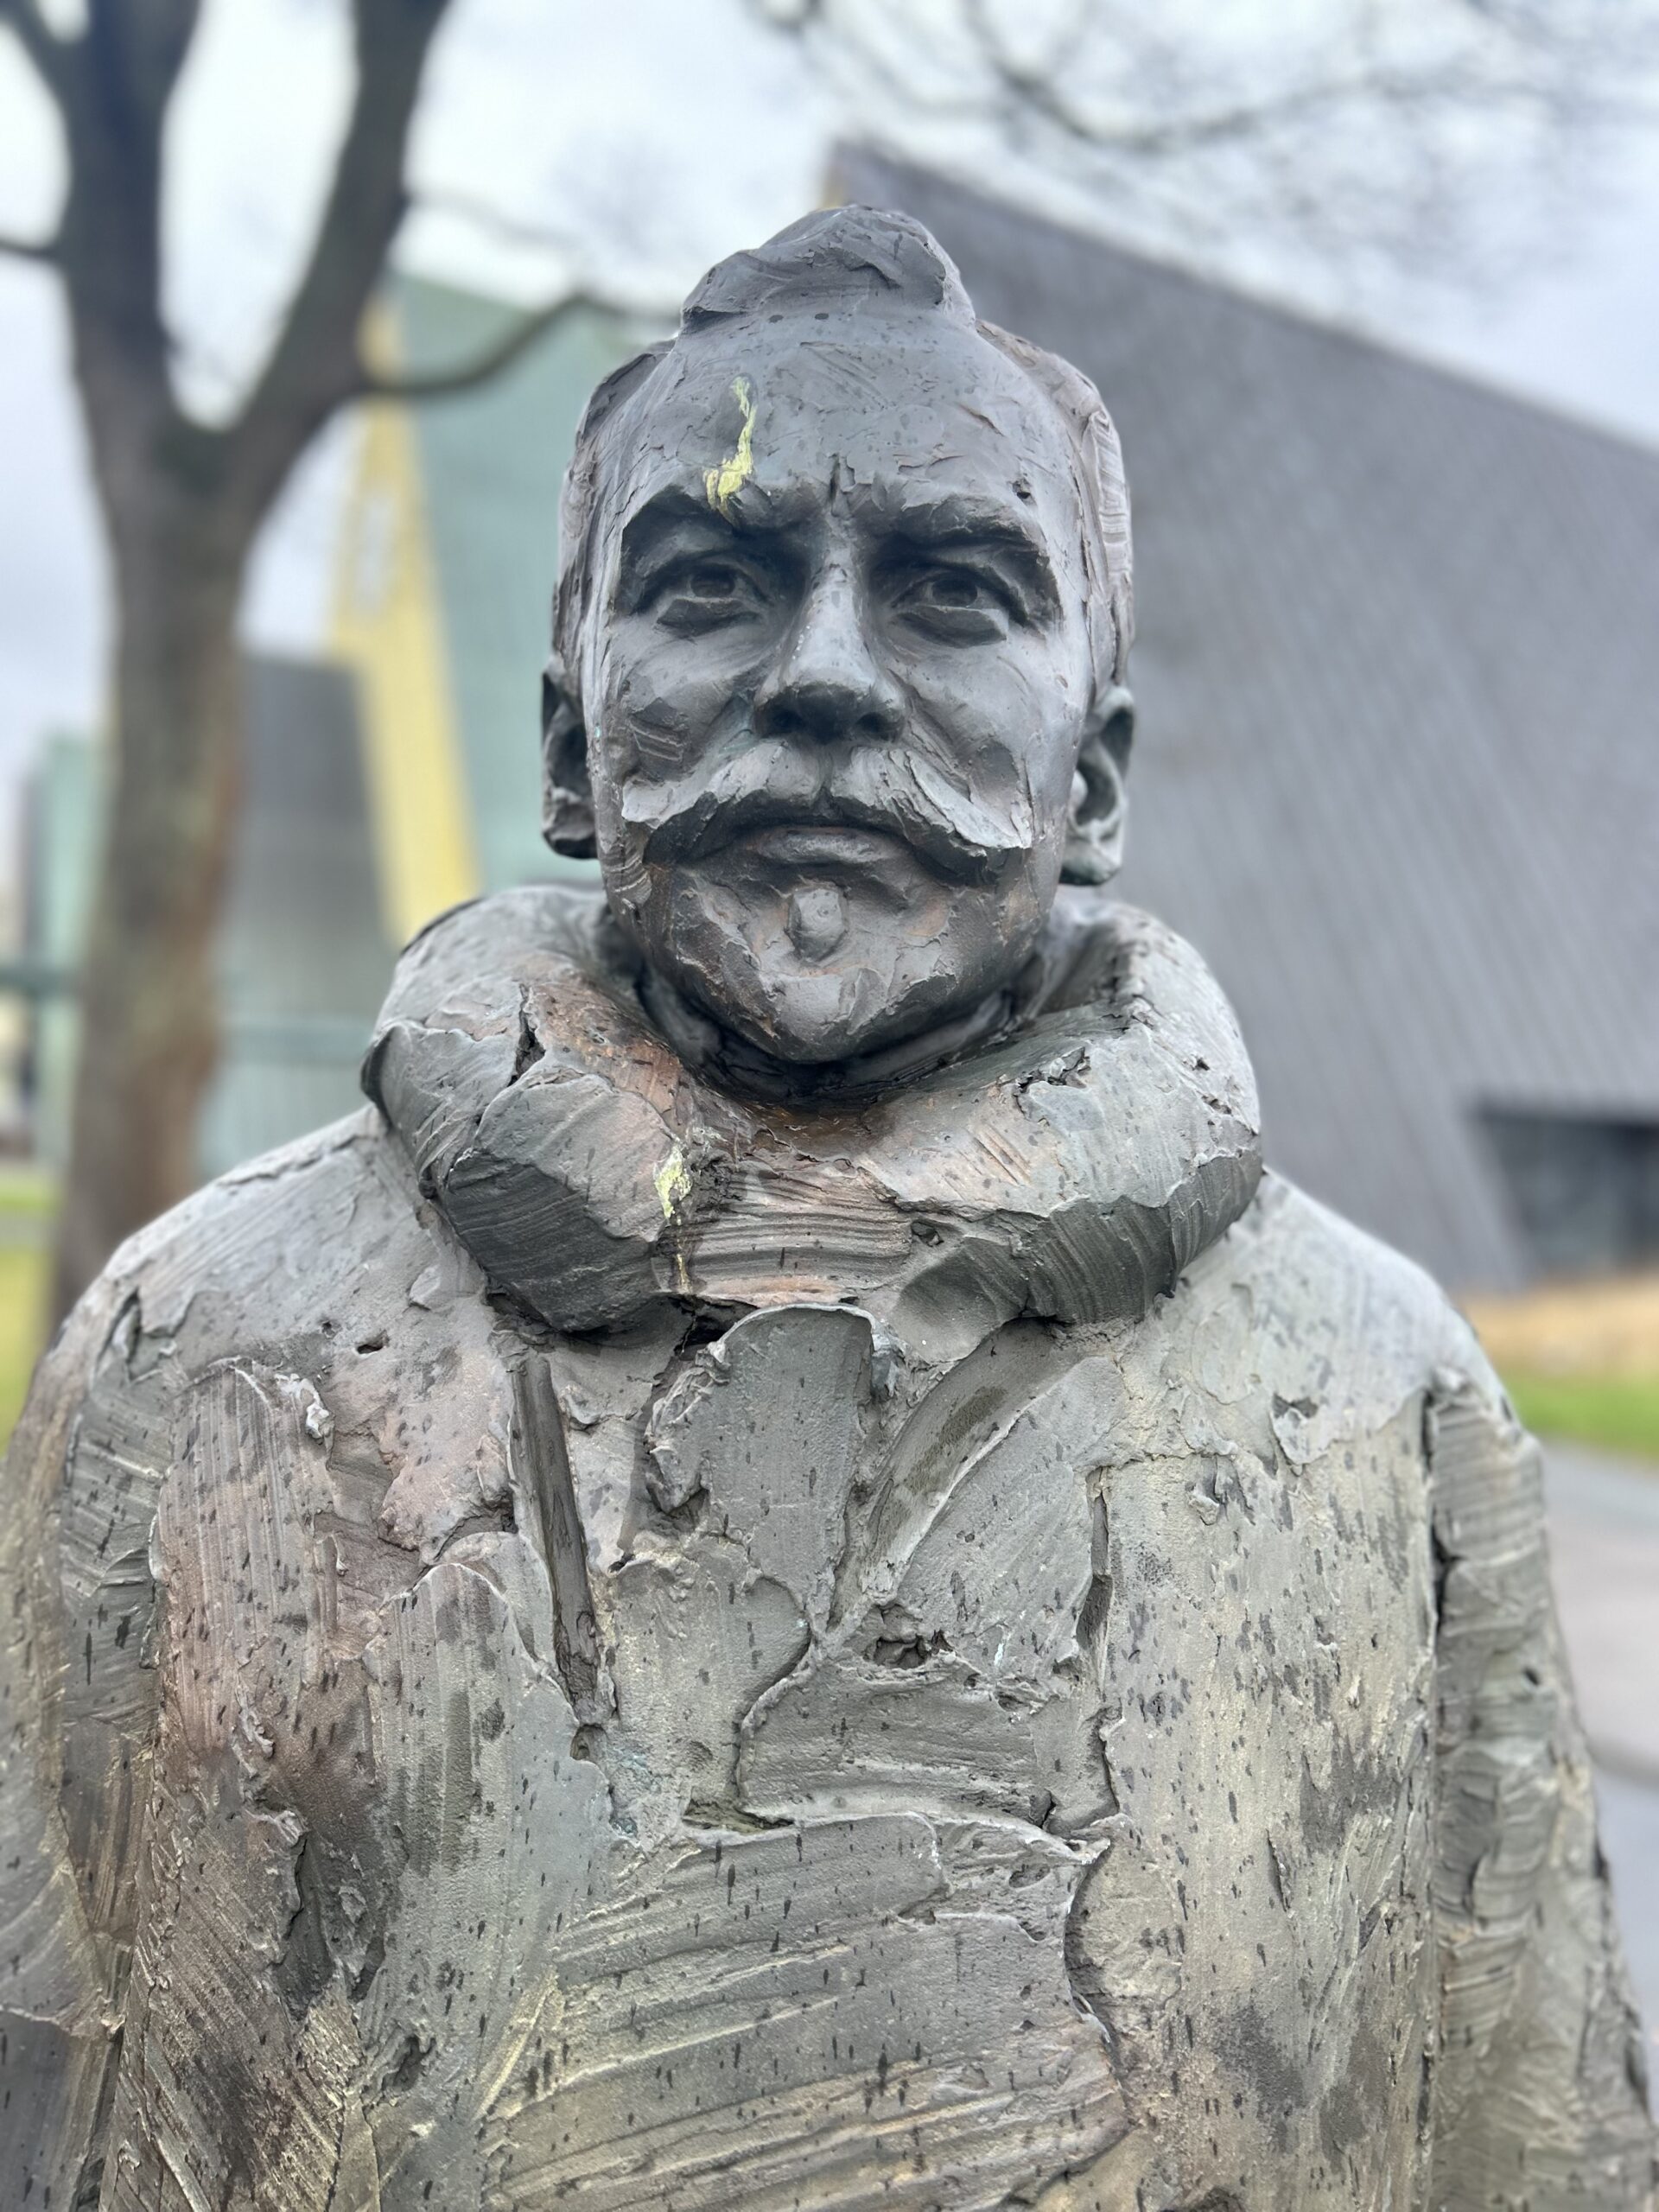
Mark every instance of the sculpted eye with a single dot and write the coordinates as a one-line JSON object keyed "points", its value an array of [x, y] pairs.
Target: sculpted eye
{"points": [[950, 587], [955, 602], [716, 581], [705, 595]]}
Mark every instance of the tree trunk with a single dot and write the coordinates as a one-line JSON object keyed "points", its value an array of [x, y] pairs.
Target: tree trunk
{"points": [[149, 1013], [182, 503]]}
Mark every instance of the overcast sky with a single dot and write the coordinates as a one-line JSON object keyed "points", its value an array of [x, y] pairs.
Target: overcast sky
{"points": [[672, 132]]}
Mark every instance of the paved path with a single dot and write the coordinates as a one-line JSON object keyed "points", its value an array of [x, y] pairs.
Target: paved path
{"points": [[1604, 1535]]}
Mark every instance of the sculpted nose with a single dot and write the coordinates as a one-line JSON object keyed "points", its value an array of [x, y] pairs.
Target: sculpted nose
{"points": [[828, 685]]}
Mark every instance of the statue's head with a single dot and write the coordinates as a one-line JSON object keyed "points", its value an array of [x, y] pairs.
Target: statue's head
{"points": [[837, 690]]}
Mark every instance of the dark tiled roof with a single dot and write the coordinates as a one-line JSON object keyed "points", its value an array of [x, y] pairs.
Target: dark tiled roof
{"points": [[1397, 668]]}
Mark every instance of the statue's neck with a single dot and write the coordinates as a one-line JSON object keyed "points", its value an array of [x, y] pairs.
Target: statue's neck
{"points": [[1081, 1142]]}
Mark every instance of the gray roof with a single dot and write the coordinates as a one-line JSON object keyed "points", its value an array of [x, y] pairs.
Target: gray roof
{"points": [[1397, 670]]}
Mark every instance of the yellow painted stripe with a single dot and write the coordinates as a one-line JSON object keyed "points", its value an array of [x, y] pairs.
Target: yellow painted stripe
{"points": [[388, 627]]}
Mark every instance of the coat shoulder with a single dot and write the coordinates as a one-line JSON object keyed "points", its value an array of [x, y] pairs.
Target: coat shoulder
{"points": [[1331, 1332], [264, 1250], [1330, 1288], [277, 1262]]}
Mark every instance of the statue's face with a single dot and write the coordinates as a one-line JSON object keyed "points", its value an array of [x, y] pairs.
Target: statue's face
{"points": [[840, 679]]}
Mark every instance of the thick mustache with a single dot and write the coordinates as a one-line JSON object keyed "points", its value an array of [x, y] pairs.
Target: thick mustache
{"points": [[698, 832], [897, 797]]}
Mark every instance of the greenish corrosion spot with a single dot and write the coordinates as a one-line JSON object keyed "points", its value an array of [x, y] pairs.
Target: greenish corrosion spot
{"points": [[724, 483]]}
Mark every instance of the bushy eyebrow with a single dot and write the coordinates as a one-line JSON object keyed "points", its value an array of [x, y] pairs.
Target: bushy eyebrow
{"points": [[958, 521], [669, 510], [677, 511]]}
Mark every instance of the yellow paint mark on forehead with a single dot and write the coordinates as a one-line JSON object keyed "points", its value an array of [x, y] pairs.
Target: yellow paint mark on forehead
{"points": [[723, 483]]}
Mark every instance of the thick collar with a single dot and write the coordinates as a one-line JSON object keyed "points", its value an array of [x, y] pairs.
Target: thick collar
{"points": [[1072, 1167]]}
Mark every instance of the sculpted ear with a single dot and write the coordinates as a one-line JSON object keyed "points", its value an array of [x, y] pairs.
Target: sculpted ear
{"points": [[566, 793], [1093, 836]]}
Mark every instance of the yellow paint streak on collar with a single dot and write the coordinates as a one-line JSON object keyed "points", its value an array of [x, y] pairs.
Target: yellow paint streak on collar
{"points": [[673, 1181], [723, 483]]}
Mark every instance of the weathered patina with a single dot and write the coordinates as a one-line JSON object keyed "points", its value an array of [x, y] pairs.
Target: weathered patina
{"points": [[783, 1578]]}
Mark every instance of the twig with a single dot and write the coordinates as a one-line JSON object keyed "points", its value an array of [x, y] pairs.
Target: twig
{"points": [[48, 53], [464, 375], [42, 250], [517, 230]]}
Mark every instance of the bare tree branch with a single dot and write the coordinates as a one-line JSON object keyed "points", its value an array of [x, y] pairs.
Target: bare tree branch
{"points": [[313, 367], [892, 82], [182, 501], [50, 56], [115, 82], [1425, 134], [466, 375], [44, 249], [1258, 117], [512, 230], [1040, 86], [147, 40]]}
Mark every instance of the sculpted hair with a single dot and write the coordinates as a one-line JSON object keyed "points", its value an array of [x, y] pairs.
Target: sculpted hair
{"points": [[865, 261]]}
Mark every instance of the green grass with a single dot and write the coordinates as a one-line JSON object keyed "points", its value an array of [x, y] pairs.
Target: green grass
{"points": [[1619, 1412], [26, 1202], [26, 1198], [22, 1303]]}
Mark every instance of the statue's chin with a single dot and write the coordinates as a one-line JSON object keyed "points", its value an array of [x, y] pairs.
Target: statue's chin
{"points": [[814, 974], [806, 1027], [816, 1018], [833, 1014]]}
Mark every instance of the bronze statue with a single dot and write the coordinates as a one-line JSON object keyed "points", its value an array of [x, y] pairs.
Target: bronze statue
{"points": [[782, 1579]]}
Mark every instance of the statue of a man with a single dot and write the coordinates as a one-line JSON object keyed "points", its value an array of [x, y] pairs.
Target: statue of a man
{"points": [[783, 1579]]}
